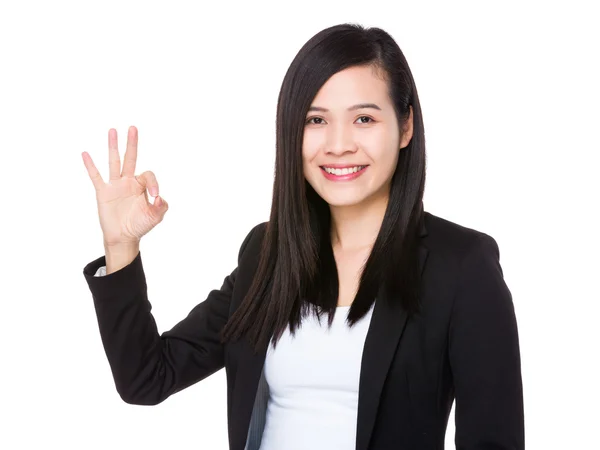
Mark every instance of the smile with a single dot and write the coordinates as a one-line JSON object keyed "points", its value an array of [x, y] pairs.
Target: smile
{"points": [[343, 174]]}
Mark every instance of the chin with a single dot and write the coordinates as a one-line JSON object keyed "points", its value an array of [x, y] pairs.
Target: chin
{"points": [[343, 200]]}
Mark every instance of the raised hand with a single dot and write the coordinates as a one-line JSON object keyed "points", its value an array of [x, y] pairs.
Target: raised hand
{"points": [[125, 213]]}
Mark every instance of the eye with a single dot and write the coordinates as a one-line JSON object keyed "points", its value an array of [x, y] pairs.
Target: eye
{"points": [[365, 117], [310, 120], [314, 118]]}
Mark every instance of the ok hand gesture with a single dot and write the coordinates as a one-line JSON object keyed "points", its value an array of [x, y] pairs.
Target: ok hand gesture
{"points": [[123, 207]]}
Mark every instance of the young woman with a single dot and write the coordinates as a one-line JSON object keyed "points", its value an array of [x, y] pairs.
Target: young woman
{"points": [[418, 313]]}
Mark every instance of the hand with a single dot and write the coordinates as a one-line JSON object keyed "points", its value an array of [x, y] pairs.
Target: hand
{"points": [[123, 207]]}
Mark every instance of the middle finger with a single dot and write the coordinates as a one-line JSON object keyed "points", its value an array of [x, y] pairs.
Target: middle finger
{"points": [[131, 152]]}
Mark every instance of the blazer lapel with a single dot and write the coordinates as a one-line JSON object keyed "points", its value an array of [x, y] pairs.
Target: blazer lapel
{"points": [[385, 330]]}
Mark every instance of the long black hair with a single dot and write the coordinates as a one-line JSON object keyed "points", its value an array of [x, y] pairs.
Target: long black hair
{"points": [[297, 272]]}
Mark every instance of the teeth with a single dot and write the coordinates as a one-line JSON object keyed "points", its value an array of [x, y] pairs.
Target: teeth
{"points": [[344, 171]]}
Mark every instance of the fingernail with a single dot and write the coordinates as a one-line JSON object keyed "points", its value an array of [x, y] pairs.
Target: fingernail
{"points": [[153, 191], [158, 201]]}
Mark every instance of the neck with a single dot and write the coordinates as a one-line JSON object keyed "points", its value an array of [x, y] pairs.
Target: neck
{"points": [[356, 227]]}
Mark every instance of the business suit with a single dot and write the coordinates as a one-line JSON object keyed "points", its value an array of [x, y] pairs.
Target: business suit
{"points": [[463, 344]]}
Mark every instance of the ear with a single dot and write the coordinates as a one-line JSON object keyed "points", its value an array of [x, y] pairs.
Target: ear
{"points": [[408, 129]]}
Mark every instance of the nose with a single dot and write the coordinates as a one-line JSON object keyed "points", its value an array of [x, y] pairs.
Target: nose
{"points": [[340, 140]]}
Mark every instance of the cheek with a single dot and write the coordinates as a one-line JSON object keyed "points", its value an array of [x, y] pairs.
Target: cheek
{"points": [[307, 156], [383, 155], [309, 153], [310, 146], [389, 165], [380, 145], [392, 158]]}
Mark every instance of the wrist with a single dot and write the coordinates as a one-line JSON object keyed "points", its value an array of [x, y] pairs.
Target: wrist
{"points": [[119, 256]]}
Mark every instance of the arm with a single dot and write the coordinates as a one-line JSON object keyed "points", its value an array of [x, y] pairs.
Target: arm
{"points": [[147, 367], [484, 355]]}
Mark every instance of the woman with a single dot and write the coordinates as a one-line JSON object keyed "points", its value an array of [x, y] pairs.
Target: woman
{"points": [[418, 311]]}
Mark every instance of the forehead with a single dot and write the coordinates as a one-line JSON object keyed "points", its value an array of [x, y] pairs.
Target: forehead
{"points": [[353, 85]]}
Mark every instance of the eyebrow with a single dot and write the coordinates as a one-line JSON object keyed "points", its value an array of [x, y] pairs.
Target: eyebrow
{"points": [[352, 108]]}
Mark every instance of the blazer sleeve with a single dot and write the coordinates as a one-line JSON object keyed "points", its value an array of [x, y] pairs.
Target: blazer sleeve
{"points": [[484, 355], [147, 367]]}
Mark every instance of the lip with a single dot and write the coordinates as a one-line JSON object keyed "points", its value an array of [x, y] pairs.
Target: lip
{"points": [[341, 166], [347, 177]]}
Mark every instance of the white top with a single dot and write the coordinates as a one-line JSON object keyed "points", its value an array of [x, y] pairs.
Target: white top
{"points": [[313, 382]]}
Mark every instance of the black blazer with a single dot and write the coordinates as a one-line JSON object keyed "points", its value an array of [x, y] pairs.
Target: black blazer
{"points": [[464, 345]]}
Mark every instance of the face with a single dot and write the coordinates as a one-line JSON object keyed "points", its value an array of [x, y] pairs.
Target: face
{"points": [[352, 139]]}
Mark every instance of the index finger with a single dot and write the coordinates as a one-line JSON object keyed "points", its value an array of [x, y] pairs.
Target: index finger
{"points": [[131, 153]]}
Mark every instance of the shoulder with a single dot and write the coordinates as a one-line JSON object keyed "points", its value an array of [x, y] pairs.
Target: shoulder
{"points": [[253, 240], [453, 241]]}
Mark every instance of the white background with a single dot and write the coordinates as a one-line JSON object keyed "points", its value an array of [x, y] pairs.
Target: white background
{"points": [[510, 102]]}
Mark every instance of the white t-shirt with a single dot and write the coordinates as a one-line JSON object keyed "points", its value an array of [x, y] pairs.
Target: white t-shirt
{"points": [[313, 382]]}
